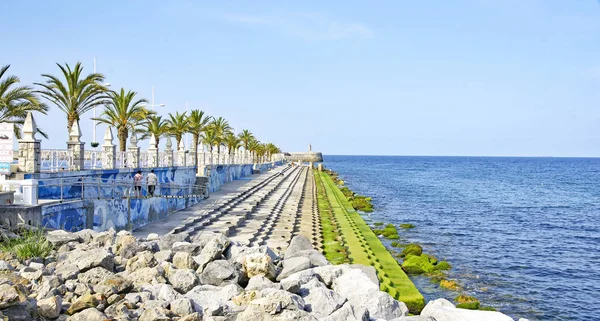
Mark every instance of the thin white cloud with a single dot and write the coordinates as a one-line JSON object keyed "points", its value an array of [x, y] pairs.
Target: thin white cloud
{"points": [[309, 26]]}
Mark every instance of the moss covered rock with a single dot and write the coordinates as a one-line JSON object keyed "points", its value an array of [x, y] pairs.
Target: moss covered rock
{"points": [[417, 265], [389, 232], [431, 258], [465, 299], [361, 203], [450, 285], [443, 266], [407, 225], [486, 308], [412, 249], [469, 305]]}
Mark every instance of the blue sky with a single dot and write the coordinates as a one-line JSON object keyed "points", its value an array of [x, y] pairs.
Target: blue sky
{"points": [[479, 77]]}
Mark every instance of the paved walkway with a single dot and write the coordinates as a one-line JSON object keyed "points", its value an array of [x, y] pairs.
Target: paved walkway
{"points": [[228, 190], [269, 209]]}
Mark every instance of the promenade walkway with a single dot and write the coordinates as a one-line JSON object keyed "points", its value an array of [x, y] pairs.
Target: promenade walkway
{"points": [[269, 209]]}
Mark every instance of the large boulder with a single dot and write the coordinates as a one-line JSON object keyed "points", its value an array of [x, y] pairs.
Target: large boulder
{"points": [[84, 302], [183, 280], [90, 314], [444, 310], [184, 260], [50, 307], [212, 299], [417, 264], [9, 296], [166, 241], [219, 272], [320, 300], [183, 307], [94, 276], [141, 260], [61, 237], [259, 264], [297, 244], [156, 314], [260, 282], [348, 313], [146, 275], [212, 250], [293, 265], [87, 259]]}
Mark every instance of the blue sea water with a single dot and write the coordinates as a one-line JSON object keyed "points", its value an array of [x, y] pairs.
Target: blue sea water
{"points": [[522, 234]]}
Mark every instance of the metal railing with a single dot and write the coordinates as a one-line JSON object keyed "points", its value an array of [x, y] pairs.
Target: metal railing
{"points": [[54, 160], [74, 188]]}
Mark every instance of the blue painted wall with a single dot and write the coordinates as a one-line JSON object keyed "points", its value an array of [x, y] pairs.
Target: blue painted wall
{"points": [[221, 174], [49, 183]]}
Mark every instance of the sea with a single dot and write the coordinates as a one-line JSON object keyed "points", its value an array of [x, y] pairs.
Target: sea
{"points": [[522, 234]]}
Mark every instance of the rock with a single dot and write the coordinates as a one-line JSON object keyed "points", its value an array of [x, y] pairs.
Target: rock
{"points": [[123, 240], [61, 237], [31, 274], [212, 250], [47, 285], [21, 312], [185, 247], [316, 258], [91, 314], [450, 285], [9, 296], [369, 271], [294, 282], [50, 308], [94, 276], [163, 256], [417, 265], [298, 243], [155, 314], [196, 316], [36, 265], [141, 260], [144, 276], [382, 306], [293, 265], [85, 260], [67, 271], [444, 310], [213, 299], [113, 285], [218, 272], [86, 235], [319, 299], [166, 241], [184, 260], [182, 307], [412, 249], [166, 293], [85, 302], [328, 273], [5, 266], [237, 253], [348, 313], [132, 249], [152, 237], [354, 285], [260, 282], [104, 239], [259, 264], [183, 280]]}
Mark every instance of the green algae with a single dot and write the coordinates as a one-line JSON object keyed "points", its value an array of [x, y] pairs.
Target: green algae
{"points": [[414, 264], [412, 249], [463, 298], [486, 308], [407, 225], [389, 232], [469, 305], [443, 266], [364, 247], [378, 224], [450, 285]]}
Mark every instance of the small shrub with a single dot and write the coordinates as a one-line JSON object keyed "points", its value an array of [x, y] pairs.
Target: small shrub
{"points": [[32, 243]]}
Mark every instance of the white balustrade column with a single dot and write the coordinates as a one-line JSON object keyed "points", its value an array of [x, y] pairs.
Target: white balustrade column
{"points": [[109, 150], [153, 153], [29, 147], [134, 153], [169, 153], [76, 147]]}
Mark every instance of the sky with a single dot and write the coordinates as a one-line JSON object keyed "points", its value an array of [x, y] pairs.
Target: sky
{"points": [[463, 77]]}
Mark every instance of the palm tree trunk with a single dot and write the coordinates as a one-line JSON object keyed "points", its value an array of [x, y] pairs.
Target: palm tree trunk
{"points": [[70, 121], [122, 134]]}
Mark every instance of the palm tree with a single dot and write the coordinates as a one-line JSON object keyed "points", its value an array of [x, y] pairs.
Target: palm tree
{"points": [[124, 113], [16, 102], [221, 128], [210, 139], [198, 123], [253, 147], [246, 137], [77, 95], [232, 142], [178, 125], [271, 149], [155, 125]]}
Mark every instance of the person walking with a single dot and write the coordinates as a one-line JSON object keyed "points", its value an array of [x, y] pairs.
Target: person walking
{"points": [[151, 180], [137, 183]]}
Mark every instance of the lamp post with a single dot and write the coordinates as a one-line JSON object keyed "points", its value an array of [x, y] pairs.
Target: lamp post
{"points": [[153, 105], [96, 122]]}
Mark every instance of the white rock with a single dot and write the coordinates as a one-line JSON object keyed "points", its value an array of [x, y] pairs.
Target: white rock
{"points": [[319, 299], [182, 307], [184, 260], [183, 280], [293, 265], [90, 314], [50, 307], [152, 237], [444, 310], [260, 282]]}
